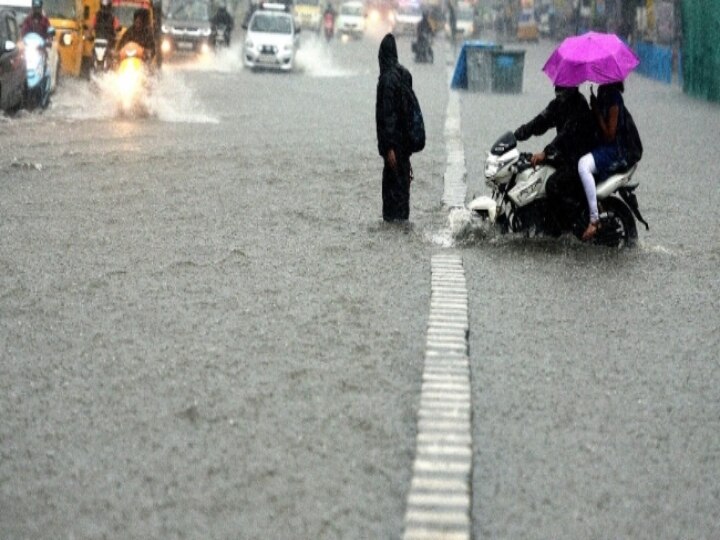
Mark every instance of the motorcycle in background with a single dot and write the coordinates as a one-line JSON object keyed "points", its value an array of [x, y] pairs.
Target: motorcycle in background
{"points": [[222, 36], [39, 76], [102, 59], [518, 203], [329, 25], [423, 50]]}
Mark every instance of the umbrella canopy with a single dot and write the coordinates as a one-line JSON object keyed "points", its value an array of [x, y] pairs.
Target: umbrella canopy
{"points": [[592, 57]]}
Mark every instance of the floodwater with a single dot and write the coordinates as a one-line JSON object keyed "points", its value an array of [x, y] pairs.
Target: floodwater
{"points": [[207, 331]]}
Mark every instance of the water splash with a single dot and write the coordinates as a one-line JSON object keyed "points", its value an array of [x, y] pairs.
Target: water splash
{"points": [[463, 229], [169, 99], [315, 58], [223, 60]]}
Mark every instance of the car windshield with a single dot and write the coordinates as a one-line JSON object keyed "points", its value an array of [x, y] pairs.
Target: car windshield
{"points": [[189, 11], [272, 24], [59, 9], [351, 10]]}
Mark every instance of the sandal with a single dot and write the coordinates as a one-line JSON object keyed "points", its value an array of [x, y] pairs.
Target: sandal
{"points": [[591, 231]]}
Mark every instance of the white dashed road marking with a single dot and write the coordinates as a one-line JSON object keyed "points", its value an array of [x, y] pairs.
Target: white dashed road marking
{"points": [[438, 506]]}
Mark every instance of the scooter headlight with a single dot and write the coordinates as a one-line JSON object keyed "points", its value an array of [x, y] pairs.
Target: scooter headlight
{"points": [[32, 56]]}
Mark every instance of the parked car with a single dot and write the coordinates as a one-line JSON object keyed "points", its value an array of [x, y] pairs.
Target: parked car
{"points": [[407, 18], [12, 63], [351, 20], [186, 28], [271, 40]]}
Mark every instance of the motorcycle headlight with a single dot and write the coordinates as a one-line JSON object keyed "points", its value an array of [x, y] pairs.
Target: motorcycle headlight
{"points": [[67, 39], [491, 169], [32, 56]]}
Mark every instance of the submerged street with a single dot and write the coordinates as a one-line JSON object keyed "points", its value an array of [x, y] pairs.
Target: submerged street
{"points": [[207, 331]]}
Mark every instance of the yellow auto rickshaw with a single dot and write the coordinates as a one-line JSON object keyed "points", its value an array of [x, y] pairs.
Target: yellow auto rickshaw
{"points": [[71, 18]]}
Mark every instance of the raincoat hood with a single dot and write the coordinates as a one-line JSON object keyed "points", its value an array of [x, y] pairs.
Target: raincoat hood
{"points": [[387, 55]]}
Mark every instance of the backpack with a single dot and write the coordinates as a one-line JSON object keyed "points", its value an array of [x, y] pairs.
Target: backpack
{"points": [[412, 118], [631, 139]]}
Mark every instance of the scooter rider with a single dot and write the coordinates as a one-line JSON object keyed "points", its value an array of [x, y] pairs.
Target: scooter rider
{"points": [[36, 22], [105, 24], [569, 113], [424, 33], [222, 17], [141, 33]]}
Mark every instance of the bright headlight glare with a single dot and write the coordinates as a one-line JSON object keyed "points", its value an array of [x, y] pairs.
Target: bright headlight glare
{"points": [[67, 39], [32, 56]]}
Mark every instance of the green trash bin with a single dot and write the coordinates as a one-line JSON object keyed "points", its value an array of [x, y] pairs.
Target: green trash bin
{"points": [[507, 71], [479, 66]]}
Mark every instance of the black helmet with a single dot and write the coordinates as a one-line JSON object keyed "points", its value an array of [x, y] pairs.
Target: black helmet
{"points": [[37, 4]]}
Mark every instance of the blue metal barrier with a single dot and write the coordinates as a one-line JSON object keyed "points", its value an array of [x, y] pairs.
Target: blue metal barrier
{"points": [[655, 61]]}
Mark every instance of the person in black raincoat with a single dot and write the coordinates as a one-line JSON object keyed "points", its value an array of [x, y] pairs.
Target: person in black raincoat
{"points": [[569, 114], [391, 136]]}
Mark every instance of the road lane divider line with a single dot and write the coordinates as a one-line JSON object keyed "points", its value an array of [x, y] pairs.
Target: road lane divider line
{"points": [[438, 504]]}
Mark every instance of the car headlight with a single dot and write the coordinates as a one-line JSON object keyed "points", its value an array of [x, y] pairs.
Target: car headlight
{"points": [[165, 29], [288, 47], [67, 39], [206, 32], [249, 44]]}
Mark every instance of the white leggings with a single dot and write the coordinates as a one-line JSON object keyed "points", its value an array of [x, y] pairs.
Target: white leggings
{"points": [[586, 169]]}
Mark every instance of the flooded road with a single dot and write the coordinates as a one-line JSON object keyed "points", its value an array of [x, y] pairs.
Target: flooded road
{"points": [[207, 331]]}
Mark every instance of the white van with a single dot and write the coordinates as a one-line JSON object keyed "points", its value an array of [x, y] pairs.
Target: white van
{"points": [[351, 19]]}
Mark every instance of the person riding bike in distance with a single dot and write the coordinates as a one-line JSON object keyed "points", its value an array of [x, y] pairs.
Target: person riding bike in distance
{"points": [[141, 33], [105, 24], [37, 22], [569, 114], [222, 17]]}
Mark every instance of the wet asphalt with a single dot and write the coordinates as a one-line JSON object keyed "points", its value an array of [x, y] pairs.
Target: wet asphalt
{"points": [[207, 331]]}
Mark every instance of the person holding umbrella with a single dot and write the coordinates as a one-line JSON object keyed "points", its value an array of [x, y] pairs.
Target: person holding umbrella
{"points": [[603, 59], [610, 156]]}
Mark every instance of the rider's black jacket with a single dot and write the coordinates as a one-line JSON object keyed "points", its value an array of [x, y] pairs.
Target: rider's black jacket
{"points": [[223, 18], [424, 30], [105, 25], [569, 113], [143, 37]]}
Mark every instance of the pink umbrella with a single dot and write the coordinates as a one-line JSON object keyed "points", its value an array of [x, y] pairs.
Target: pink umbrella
{"points": [[591, 57]]}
